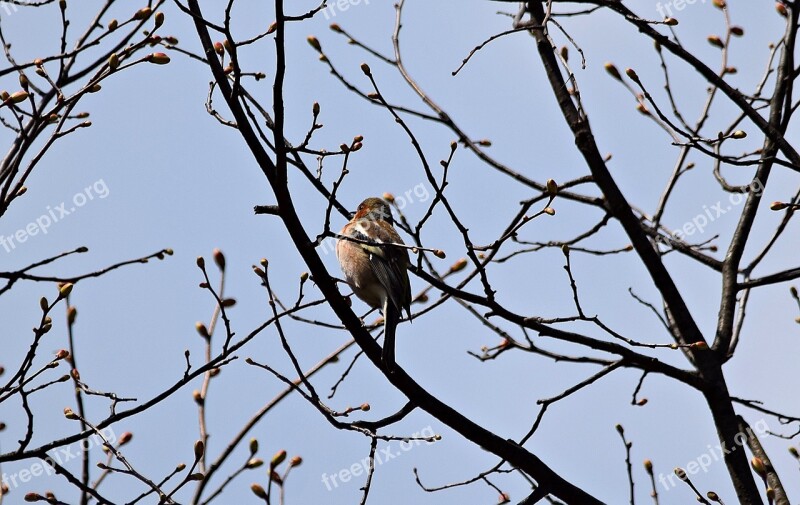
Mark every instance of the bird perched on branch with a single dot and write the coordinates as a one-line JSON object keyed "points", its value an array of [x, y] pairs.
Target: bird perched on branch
{"points": [[375, 266]]}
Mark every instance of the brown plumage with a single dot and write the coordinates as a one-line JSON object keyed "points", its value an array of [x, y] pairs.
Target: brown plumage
{"points": [[377, 273]]}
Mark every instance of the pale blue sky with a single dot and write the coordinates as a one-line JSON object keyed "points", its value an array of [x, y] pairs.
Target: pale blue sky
{"points": [[176, 178]]}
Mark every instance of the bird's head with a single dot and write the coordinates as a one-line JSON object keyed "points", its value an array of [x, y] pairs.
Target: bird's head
{"points": [[374, 209]]}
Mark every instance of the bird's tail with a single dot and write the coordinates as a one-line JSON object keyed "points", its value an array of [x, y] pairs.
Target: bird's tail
{"points": [[391, 316]]}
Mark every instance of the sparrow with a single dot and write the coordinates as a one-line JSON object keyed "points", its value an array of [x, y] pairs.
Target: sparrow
{"points": [[377, 271]]}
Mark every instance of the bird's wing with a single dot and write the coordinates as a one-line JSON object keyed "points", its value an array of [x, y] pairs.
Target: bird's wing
{"points": [[389, 265], [391, 277]]}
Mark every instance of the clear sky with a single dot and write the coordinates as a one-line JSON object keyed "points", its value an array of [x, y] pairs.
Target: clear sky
{"points": [[163, 173]]}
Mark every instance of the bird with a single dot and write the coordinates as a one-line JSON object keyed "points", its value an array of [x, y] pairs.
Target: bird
{"points": [[377, 272]]}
